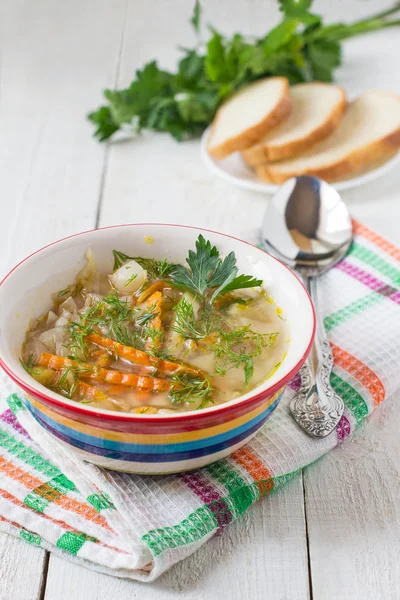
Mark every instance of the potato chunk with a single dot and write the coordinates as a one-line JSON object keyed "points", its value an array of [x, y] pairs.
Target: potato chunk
{"points": [[129, 278]]}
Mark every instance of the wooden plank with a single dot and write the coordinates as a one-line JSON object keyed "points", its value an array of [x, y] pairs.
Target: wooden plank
{"points": [[22, 569], [353, 514], [352, 506], [262, 555], [54, 64]]}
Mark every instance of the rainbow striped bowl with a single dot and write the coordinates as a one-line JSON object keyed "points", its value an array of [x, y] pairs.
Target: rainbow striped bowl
{"points": [[140, 443]]}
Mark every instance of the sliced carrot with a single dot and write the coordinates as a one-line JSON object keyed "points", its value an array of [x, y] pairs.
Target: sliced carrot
{"points": [[148, 410], [154, 287], [87, 371], [138, 357], [127, 352], [154, 302], [104, 360], [205, 344], [118, 389], [90, 392]]}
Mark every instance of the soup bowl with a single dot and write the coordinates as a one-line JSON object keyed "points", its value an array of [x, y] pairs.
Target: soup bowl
{"points": [[143, 443]]}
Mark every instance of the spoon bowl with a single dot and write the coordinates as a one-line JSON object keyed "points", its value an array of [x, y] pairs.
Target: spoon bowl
{"points": [[308, 226], [307, 222]]}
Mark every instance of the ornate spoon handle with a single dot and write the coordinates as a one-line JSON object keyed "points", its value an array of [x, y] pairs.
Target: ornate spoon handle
{"points": [[316, 407]]}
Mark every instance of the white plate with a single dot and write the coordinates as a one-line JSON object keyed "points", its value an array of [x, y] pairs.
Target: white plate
{"points": [[235, 170]]}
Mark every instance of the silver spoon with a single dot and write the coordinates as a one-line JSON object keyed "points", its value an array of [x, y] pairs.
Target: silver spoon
{"points": [[308, 227]]}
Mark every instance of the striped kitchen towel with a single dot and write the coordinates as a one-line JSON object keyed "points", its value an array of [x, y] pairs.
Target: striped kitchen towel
{"points": [[137, 527]]}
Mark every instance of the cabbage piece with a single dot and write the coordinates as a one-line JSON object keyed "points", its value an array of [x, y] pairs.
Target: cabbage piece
{"points": [[68, 306], [51, 318], [88, 278], [63, 321], [90, 300], [34, 348], [53, 337]]}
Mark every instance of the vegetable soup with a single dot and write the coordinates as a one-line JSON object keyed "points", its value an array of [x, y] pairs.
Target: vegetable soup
{"points": [[156, 337]]}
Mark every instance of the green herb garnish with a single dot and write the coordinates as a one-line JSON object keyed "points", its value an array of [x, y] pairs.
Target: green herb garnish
{"points": [[43, 375], [238, 347], [156, 269], [64, 292], [143, 319], [191, 390], [154, 337], [186, 324], [183, 103], [69, 379], [131, 278], [119, 259], [209, 273], [112, 313], [29, 364]]}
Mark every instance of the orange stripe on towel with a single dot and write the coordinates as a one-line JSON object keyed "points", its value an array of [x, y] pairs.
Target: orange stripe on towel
{"points": [[62, 524], [361, 372], [32, 483], [253, 465], [376, 239]]}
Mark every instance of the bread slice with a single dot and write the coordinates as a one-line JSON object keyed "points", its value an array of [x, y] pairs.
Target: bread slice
{"points": [[248, 115], [317, 109], [368, 132]]}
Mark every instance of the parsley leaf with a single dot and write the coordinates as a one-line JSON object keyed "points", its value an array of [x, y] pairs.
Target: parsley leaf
{"points": [[195, 20], [324, 56], [208, 271]]}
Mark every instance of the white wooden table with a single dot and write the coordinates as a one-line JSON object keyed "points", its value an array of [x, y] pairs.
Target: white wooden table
{"points": [[332, 533]]}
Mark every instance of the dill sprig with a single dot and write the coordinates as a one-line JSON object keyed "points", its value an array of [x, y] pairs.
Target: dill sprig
{"points": [[154, 337], [131, 278], [191, 390], [29, 364], [112, 313], [69, 379], [65, 292], [239, 347], [156, 269], [143, 319], [119, 259], [186, 324]]}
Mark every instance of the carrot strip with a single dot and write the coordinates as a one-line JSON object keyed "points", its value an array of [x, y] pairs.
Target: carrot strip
{"points": [[154, 287], [132, 354], [138, 357], [140, 382], [118, 389], [90, 392], [154, 302]]}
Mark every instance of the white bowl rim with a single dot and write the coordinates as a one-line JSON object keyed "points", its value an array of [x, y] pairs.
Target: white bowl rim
{"points": [[198, 414]]}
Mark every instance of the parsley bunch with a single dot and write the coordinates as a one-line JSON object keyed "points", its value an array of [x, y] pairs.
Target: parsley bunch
{"points": [[209, 275], [184, 103]]}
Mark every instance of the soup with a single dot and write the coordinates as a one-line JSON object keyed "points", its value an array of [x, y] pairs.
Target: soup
{"points": [[156, 337]]}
